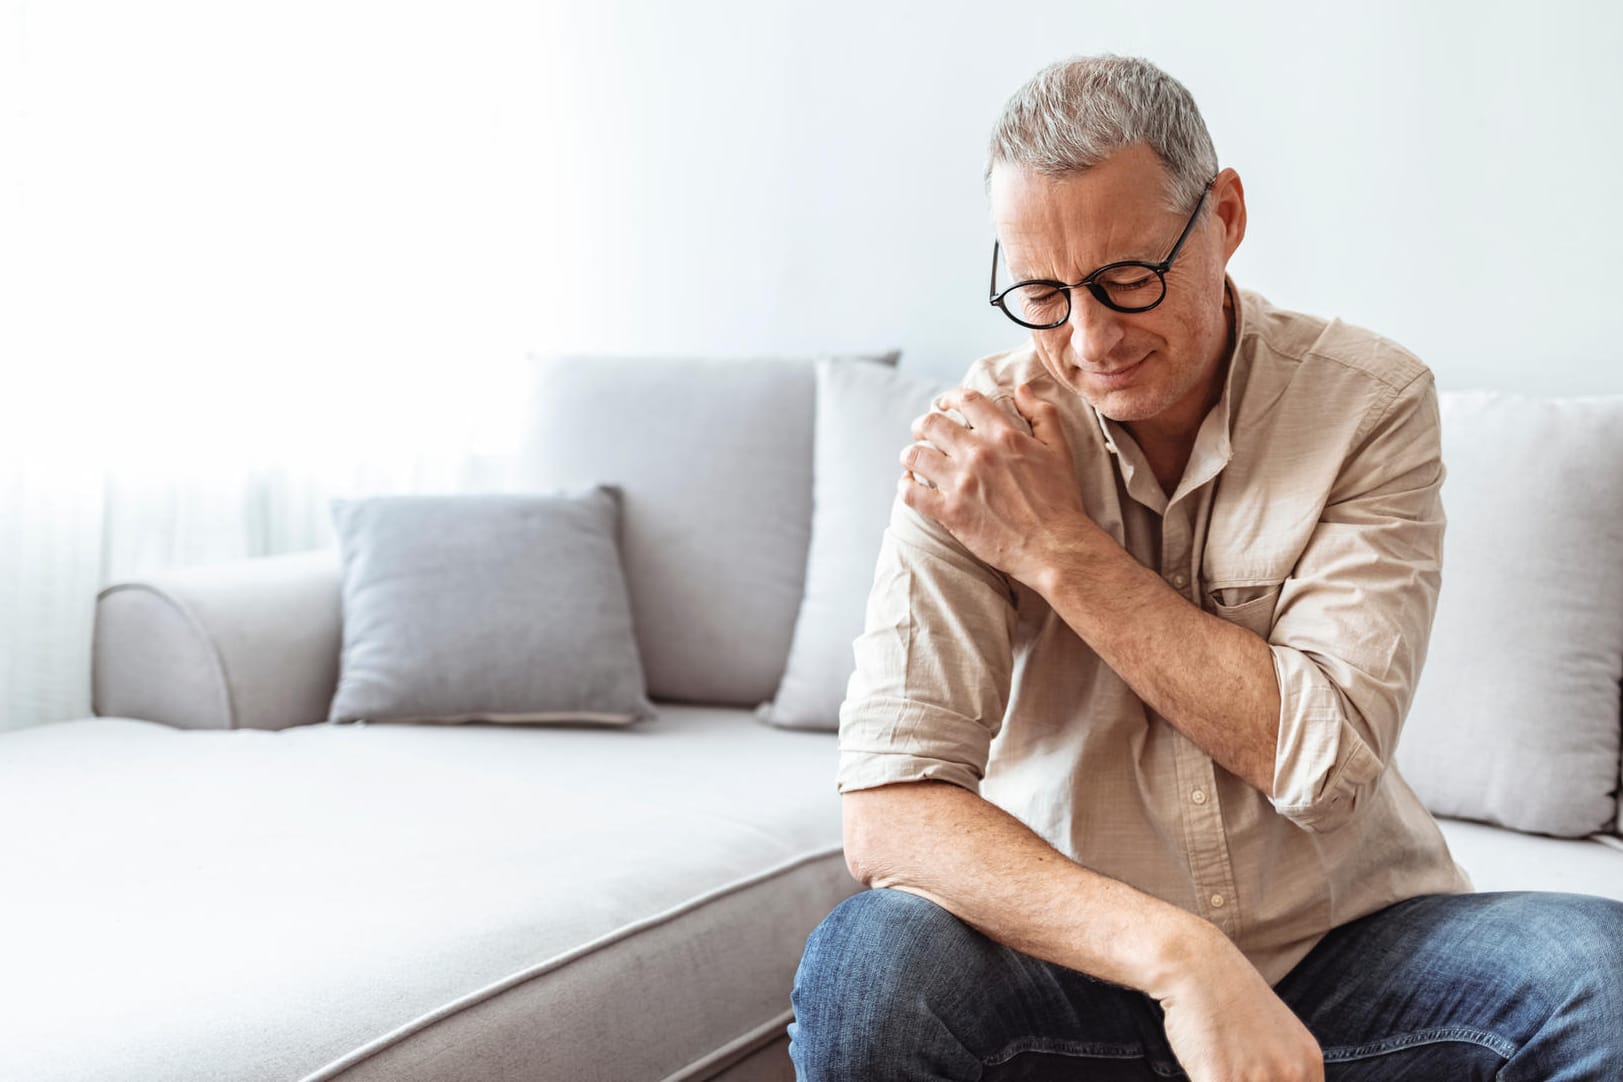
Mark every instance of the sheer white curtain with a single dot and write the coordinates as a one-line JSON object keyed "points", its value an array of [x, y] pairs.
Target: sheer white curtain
{"points": [[82, 506], [252, 257]]}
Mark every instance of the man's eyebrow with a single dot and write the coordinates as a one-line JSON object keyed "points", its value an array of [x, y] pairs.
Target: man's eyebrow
{"points": [[1143, 256], [1016, 276], [1049, 277], [1043, 277]]}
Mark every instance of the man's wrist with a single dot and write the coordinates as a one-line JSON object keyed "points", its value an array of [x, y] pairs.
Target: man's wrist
{"points": [[1070, 549], [1186, 946]]}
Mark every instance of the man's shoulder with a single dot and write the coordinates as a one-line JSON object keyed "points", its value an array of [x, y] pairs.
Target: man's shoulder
{"points": [[1328, 344], [996, 375]]}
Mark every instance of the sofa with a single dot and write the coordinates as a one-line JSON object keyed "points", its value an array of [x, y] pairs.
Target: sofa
{"points": [[209, 879]]}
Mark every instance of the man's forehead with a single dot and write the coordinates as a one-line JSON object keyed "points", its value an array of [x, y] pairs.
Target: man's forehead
{"points": [[1068, 248], [1123, 176], [1055, 226]]}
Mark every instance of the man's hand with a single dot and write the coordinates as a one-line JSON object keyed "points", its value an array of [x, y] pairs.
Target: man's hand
{"points": [[1226, 1025], [1011, 499]]}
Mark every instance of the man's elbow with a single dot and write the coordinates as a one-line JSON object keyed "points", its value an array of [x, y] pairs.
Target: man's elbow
{"points": [[1324, 815], [1330, 800], [856, 854], [860, 818], [882, 823]]}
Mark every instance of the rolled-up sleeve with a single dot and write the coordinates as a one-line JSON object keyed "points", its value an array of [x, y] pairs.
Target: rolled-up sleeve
{"points": [[1353, 621], [933, 663]]}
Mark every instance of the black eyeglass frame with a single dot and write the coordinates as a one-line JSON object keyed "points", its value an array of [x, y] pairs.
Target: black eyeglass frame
{"points": [[1099, 292]]}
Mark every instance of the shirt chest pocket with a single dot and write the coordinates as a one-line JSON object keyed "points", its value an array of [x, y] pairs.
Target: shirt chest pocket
{"points": [[1248, 603]]}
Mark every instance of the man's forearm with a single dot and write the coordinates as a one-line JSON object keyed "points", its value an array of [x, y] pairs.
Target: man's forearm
{"points": [[1213, 680], [943, 842]]}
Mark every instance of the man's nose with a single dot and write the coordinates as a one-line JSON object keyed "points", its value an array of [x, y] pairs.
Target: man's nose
{"points": [[1095, 329]]}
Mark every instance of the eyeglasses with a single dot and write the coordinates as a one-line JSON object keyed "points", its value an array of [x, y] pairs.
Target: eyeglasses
{"points": [[1128, 285]]}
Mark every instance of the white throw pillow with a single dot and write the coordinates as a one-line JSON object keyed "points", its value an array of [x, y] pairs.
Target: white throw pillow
{"points": [[864, 418], [1516, 717]]}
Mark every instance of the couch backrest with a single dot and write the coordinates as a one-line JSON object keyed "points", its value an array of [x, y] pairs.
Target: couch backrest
{"points": [[1518, 719], [714, 459]]}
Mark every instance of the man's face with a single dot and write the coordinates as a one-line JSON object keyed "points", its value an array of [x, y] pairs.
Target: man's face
{"points": [[1065, 227]]}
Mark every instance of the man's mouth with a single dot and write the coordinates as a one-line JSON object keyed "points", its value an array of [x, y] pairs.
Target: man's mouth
{"points": [[1116, 377]]}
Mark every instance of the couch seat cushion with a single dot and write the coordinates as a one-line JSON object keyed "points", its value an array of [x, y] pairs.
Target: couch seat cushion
{"points": [[408, 901], [1500, 859]]}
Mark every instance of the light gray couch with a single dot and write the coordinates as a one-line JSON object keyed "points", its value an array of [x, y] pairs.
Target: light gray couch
{"points": [[208, 881]]}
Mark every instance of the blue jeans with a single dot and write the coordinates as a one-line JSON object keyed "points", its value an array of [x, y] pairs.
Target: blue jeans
{"points": [[1517, 987]]}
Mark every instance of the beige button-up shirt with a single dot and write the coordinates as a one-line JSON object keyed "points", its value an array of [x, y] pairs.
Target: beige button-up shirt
{"points": [[1310, 514]]}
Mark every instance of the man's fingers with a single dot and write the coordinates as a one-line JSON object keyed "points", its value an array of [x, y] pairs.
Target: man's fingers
{"points": [[978, 410], [924, 461], [941, 430]]}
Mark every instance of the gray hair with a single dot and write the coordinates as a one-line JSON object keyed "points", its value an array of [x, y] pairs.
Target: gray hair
{"points": [[1075, 113]]}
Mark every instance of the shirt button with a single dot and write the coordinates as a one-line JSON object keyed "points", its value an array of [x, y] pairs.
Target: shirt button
{"points": [[1217, 901], [1180, 580], [1198, 796]]}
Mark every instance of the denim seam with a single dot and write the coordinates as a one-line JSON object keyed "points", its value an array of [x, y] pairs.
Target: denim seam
{"points": [[1083, 1049], [1491, 1041]]}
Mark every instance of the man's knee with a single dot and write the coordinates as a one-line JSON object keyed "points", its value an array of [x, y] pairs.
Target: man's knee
{"points": [[878, 968], [1569, 956], [1559, 978], [1568, 940], [878, 939], [1582, 940]]}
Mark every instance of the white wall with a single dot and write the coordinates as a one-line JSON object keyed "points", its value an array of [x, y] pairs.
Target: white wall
{"points": [[234, 212], [1444, 173]]}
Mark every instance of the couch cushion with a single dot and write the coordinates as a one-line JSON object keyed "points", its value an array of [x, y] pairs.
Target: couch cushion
{"points": [[1500, 859], [491, 607], [1516, 717], [407, 902], [864, 418], [714, 458]]}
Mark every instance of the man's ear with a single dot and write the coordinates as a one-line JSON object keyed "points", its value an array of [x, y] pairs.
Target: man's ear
{"points": [[1228, 203]]}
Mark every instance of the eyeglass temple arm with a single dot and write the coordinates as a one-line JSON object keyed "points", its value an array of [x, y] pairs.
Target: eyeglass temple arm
{"points": [[1187, 226]]}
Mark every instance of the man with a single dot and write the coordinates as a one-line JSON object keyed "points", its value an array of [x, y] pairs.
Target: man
{"points": [[1117, 754]]}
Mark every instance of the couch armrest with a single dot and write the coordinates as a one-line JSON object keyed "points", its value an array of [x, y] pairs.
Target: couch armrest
{"points": [[246, 644]]}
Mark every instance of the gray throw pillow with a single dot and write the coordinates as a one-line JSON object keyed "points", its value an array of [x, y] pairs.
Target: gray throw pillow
{"points": [[498, 607], [864, 418]]}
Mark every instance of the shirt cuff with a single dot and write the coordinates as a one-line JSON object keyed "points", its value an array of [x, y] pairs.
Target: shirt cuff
{"points": [[886, 740], [1323, 767], [869, 770]]}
